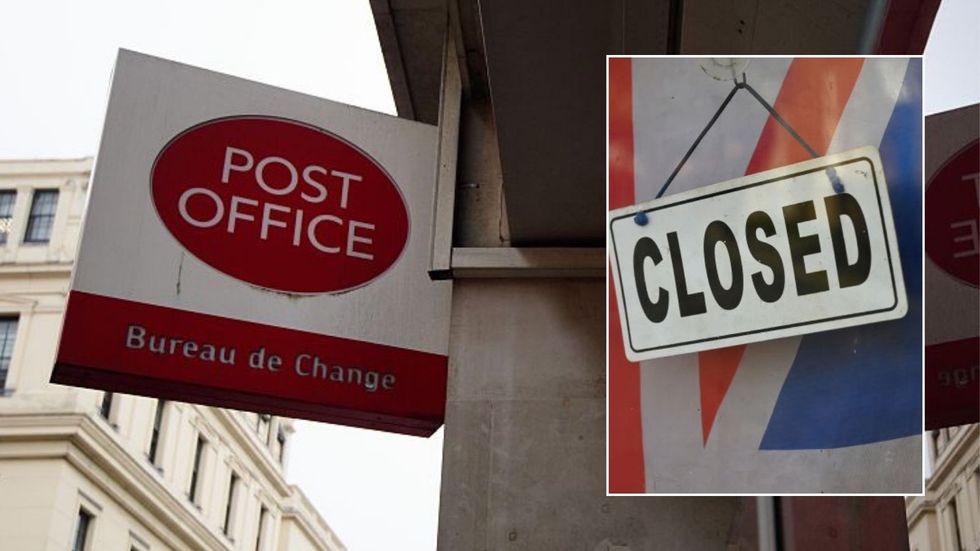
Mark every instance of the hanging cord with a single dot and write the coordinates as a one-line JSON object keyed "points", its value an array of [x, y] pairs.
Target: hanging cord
{"points": [[641, 217], [776, 116], [697, 142]]}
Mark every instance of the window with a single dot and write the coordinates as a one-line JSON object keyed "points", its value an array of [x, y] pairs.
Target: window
{"points": [[82, 530], [954, 526], [281, 438], [229, 506], [7, 199], [155, 432], [106, 407], [258, 536], [263, 428], [940, 437], [42, 216], [976, 484], [8, 333], [196, 471]]}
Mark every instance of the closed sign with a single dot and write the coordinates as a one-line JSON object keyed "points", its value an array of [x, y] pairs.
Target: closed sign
{"points": [[774, 254]]}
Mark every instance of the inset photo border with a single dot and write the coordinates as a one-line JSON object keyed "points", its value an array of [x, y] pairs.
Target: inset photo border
{"points": [[819, 408]]}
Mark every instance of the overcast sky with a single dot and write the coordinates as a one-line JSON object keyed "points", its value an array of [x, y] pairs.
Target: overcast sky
{"points": [[378, 491], [950, 71]]}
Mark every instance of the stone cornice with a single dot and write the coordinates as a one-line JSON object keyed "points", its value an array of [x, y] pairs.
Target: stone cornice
{"points": [[257, 454], [294, 514], [46, 167], [964, 443], [100, 458], [918, 506], [305, 513], [27, 270]]}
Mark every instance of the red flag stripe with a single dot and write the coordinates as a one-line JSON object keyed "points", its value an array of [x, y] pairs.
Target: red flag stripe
{"points": [[812, 100], [624, 426]]}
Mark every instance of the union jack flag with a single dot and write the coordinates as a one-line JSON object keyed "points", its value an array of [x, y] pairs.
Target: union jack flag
{"points": [[837, 411]]}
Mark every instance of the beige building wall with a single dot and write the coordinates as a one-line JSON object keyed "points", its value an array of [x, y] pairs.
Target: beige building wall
{"points": [[947, 517], [64, 450]]}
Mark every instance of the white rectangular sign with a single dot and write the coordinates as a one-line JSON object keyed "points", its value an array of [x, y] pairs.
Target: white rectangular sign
{"points": [[250, 247], [770, 255]]}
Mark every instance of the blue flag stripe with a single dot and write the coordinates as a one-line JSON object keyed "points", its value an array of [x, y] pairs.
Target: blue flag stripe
{"points": [[864, 384]]}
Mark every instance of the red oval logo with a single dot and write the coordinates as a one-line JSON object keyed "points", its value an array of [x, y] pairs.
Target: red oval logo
{"points": [[952, 197], [280, 204]]}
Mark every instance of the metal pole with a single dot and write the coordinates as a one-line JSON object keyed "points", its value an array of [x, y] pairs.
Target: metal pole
{"points": [[766, 518], [871, 30]]}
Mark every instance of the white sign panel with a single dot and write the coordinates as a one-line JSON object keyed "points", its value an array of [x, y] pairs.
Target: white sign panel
{"points": [[251, 247], [770, 255]]}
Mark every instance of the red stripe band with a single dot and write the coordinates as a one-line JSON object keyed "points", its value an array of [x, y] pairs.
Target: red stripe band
{"points": [[127, 346], [953, 383], [625, 428]]}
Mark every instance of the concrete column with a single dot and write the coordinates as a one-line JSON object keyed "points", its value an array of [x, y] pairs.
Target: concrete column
{"points": [[524, 454]]}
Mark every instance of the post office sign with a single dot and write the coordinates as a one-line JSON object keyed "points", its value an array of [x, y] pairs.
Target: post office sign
{"points": [[255, 248], [803, 248]]}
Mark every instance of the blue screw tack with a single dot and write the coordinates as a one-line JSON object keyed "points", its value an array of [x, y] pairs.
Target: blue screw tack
{"points": [[835, 180], [641, 218]]}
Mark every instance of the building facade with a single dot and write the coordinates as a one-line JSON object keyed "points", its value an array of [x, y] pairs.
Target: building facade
{"points": [[87, 470], [947, 517]]}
